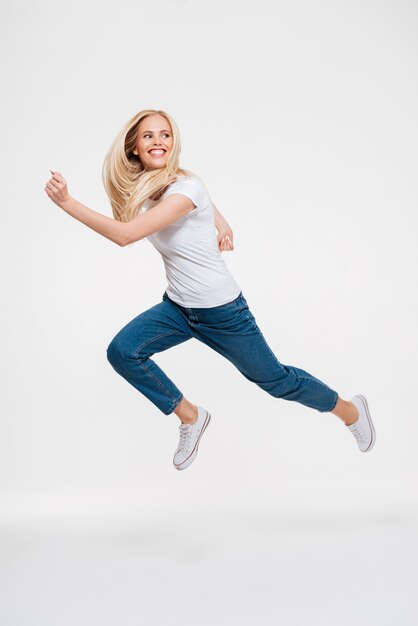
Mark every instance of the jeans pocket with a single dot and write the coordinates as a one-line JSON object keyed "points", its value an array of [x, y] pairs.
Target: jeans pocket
{"points": [[244, 310], [241, 303]]}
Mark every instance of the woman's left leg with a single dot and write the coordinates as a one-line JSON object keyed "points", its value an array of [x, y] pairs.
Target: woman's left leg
{"points": [[232, 331]]}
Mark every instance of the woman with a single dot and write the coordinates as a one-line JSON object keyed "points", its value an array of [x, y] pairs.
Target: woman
{"points": [[153, 198]]}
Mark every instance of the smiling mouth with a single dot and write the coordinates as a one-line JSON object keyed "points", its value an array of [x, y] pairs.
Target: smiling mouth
{"points": [[156, 153]]}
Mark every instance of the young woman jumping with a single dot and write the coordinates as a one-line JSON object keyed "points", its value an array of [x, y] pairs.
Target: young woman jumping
{"points": [[153, 198]]}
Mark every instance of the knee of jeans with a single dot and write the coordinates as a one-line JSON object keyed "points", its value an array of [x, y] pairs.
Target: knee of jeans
{"points": [[112, 352], [119, 352], [116, 352]]}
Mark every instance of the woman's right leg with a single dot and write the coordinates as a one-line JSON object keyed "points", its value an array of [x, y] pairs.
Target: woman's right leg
{"points": [[155, 330], [232, 330]]}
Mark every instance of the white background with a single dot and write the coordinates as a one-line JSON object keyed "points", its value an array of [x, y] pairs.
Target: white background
{"points": [[300, 117]]}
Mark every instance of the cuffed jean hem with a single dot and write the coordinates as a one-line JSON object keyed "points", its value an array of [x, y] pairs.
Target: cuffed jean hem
{"points": [[174, 405], [333, 405]]}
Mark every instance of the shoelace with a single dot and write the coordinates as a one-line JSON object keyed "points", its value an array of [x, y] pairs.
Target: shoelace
{"points": [[359, 433], [185, 434]]}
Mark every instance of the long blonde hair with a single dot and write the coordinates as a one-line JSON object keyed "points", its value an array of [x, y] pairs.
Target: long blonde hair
{"points": [[125, 180]]}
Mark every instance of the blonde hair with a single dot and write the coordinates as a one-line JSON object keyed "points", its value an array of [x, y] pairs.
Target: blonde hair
{"points": [[125, 180]]}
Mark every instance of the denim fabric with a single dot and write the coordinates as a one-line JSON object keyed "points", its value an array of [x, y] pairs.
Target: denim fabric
{"points": [[231, 330]]}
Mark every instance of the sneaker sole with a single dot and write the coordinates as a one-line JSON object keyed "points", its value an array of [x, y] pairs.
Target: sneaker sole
{"points": [[192, 456], [369, 419]]}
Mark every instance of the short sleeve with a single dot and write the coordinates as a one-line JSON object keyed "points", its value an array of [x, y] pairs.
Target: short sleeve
{"points": [[189, 187]]}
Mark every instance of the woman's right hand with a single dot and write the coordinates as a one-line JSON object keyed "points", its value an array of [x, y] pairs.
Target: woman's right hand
{"points": [[56, 188]]}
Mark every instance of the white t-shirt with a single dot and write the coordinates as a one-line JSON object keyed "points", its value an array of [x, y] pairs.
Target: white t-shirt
{"points": [[196, 272]]}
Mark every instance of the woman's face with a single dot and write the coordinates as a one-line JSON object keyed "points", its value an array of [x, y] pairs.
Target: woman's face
{"points": [[154, 142]]}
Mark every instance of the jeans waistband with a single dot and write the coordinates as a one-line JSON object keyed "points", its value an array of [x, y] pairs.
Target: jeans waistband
{"points": [[239, 297]]}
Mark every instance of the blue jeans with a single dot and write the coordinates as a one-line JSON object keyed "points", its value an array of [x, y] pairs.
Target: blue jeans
{"points": [[231, 330]]}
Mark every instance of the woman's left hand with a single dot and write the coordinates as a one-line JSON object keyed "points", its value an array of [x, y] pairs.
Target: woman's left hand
{"points": [[225, 237], [56, 188]]}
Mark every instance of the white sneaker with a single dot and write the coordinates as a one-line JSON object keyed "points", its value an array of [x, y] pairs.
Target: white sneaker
{"points": [[363, 429], [190, 435]]}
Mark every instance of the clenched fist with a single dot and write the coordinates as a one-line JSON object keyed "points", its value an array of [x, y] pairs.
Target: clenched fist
{"points": [[56, 188]]}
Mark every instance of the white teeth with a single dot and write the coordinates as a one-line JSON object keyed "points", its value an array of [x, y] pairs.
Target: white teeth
{"points": [[157, 152]]}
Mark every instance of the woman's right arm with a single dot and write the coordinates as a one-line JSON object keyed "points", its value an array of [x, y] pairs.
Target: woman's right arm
{"points": [[57, 190]]}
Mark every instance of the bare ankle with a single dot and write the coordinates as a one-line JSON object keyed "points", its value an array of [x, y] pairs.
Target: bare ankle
{"points": [[186, 411], [346, 411]]}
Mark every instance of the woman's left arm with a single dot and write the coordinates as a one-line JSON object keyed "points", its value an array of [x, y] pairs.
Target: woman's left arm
{"points": [[112, 229], [225, 235]]}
